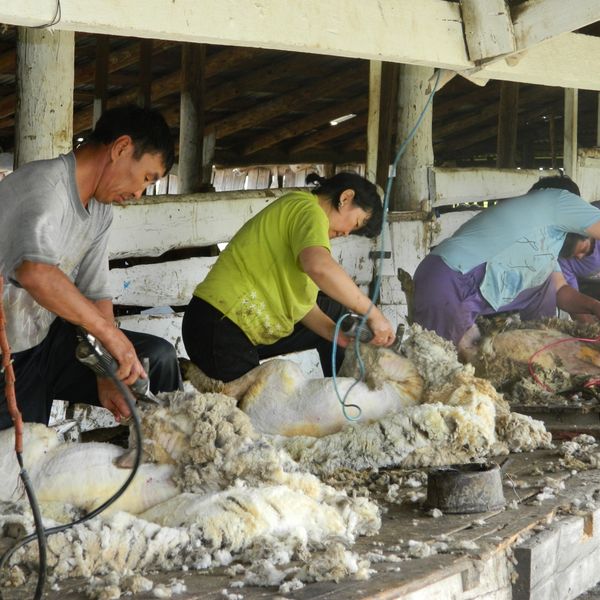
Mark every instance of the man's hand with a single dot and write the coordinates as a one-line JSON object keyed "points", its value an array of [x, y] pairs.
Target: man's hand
{"points": [[111, 398], [122, 350]]}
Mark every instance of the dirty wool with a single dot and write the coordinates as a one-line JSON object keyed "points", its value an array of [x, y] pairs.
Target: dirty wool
{"points": [[218, 487]]}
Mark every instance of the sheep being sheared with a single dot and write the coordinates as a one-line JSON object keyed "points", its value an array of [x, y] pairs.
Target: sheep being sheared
{"points": [[561, 359], [420, 409]]}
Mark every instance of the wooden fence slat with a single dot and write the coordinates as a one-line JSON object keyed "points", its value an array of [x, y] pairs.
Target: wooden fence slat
{"points": [[172, 283]]}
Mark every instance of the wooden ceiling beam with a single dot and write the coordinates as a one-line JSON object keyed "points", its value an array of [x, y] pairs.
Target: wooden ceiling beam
{"points": [[327, 85], [166, 85], [535, 21], [305, 124], [332, 132]]}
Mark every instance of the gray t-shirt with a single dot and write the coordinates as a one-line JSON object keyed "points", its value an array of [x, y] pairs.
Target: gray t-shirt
{"points": [[43, 220]]}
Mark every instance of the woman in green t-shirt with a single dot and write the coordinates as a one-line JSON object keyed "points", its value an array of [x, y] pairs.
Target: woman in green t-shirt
{"points": [[276, 288]]}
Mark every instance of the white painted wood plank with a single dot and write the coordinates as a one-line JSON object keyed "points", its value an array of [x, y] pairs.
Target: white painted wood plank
{"points": [[488, 28], [427, 32], [458, 186], [167, 327], [588, 173], [410, 243], [560, 562], [172, 283], [538, 20], [569, 60], [163, 284], [155, 224]]}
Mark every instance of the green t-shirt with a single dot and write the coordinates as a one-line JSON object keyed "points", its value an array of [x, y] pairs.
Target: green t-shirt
{"points": [[257, 281]]}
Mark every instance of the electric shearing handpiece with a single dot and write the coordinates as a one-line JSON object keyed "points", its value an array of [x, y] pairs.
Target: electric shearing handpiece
{"points": [[352, 328], [92, 353]]}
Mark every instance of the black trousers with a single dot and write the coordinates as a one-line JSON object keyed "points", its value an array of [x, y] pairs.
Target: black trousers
{"points": [[222, 350], [50, 370]]}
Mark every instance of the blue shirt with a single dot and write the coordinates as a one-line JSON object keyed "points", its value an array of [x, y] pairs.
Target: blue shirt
{"points": [[519, 239]]}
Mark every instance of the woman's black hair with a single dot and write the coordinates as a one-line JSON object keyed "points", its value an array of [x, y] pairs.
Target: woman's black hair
{"points": [[559, 182], [365, 197]]}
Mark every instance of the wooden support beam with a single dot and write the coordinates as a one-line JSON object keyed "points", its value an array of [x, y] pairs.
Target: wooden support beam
{"points": [[598, 121], [387, 120], [306, 124], [535, 21], [568, 60], [191, 130], [145, 78], [488, 28], [101, 77], [508, 119], [428, 31], [570, 133], [411, 186], [373, 119], [44, 125]]}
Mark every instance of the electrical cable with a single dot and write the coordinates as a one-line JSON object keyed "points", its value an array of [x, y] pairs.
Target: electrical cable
{"points": [[55, 19], [374, 296], [588, 384], [15, 414], [129, 398]]}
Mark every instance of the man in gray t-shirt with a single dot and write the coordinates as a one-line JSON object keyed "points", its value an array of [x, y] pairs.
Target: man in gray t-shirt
{"points": [[56, 216]]}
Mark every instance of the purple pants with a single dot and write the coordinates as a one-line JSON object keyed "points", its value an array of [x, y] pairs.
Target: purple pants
{"points": [[448, 301]]}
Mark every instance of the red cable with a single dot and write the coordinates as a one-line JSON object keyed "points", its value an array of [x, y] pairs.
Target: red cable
{"points": [[9, 377], [589, 383]]}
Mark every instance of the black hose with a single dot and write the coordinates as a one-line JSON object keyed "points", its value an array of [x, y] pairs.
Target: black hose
{"points": [[40, 533]]}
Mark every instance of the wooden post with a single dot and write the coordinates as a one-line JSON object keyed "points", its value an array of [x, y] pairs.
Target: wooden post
{"points": [[145, 91], [191, 124], [570, 133], [101, 77], [208, 159], [387, 120], [508, 119], [552, 136], [44, 114], [411, 187], [598, 122], [373, 119]]}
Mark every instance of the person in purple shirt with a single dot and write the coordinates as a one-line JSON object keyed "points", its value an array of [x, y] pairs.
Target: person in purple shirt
{"points": [[575, 268]]}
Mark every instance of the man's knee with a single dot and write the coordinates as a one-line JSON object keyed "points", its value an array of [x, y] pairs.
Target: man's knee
{"points": [[162, 359]]}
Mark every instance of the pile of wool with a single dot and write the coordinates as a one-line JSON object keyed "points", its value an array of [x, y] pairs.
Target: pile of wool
{"points": [[232, 492]]}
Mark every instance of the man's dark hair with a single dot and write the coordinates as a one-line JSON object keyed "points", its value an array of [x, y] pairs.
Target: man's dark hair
{"points": [[146, 127], [365, 197], [559, 182]]}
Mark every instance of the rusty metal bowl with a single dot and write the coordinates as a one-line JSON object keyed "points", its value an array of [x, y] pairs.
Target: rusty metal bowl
{"points": [[469, 488]]}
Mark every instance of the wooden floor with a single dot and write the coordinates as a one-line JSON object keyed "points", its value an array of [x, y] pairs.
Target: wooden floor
{"points": [[492, 533]]}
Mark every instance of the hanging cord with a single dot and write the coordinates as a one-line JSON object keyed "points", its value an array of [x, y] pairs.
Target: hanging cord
{"points": [[15, 414], [587, 384], [129, 398], [375, 295], [55, 19]]}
